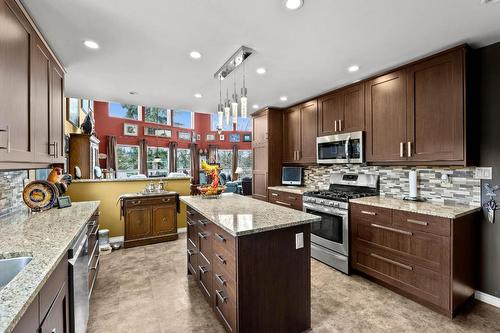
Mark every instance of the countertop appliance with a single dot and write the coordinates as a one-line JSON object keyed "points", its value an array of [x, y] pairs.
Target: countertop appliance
{"points": [[330, 236], [78, 283], [340, 148], [291, 176]]}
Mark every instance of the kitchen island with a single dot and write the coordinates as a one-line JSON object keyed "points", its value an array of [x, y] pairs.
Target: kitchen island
{"points": [[251, 260]]}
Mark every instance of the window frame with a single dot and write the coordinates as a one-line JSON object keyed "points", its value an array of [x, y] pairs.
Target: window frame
{"points": [[139, 112], [177, 160], [118, 170], [251, 162], [167, 170], [192, 119], [169, 116], [230, 151]]}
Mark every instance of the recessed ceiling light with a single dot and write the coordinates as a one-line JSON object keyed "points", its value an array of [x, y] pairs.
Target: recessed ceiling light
{"points": [[91, 44], [255, 106], [198, 95], [353, 68], [293, 4], [261, 70], [283, 98], [195, 54], [133, 92]]}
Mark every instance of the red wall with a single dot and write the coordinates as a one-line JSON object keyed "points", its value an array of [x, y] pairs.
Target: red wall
{"points": [[106, 125]]}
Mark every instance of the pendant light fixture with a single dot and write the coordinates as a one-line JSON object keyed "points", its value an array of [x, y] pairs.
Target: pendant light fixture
{"points": [[244, 99], [220, 109], [227, 107], [234, 104]]}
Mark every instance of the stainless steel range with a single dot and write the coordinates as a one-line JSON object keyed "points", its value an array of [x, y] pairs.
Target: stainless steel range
{"points": [[330, 236]]}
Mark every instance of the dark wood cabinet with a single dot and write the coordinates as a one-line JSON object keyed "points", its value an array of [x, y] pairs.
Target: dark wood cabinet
{"points": [[83, 153], [299, 133], [267, 151], [427, 258], [342, 111], [286, 199], [57, 113], [57, 318], [149, 219]]}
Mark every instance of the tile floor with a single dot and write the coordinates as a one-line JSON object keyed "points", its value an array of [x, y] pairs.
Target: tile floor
{"points": [[146, 289]]}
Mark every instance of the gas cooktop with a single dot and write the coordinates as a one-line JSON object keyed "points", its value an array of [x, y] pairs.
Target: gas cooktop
{"points": [[338, 195]]}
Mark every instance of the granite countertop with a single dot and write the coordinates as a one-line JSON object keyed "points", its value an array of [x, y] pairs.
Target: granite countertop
{"points": [[129, 179], [450, 211], [46, 237], [291, 189], [240, 215]]}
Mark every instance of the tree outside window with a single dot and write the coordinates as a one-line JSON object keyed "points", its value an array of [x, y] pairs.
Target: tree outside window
{"points": [[127, 111], [157, 115], [158, 162], [245, 163], [127, 161], [184, 161], [225, 159]]}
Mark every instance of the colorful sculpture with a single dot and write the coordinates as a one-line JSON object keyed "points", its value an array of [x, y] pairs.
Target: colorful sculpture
{"points": [[213, 172]]}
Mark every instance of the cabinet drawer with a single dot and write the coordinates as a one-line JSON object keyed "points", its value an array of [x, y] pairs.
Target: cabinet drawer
{"points": [[192, 232], [225, 308], [419, 222], [92, 238], [205, 237], [204, 275], [223, 279], [286, 199], [223, 241], [49, 291], [170, 200], [192, 257], [225, 260], [372, 214], [422, 248], [402, 274]]}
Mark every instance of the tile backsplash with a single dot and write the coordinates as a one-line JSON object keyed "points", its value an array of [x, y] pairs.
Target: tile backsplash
{"points": [[461, 187], [11, 192]]}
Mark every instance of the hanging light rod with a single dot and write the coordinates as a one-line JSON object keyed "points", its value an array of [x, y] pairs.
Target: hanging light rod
{"points": [[233, 62]]}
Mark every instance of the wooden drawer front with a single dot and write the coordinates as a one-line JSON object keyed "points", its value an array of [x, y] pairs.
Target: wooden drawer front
{"points": [[425, 249], [413, 221], [92, 238], [285, 199], [49, 291], [93, 270], [402, 274], [205, 237], [192, 257], [225, 260], [225, 307], [192, 232], [223, 241], [204, 275], [168, 200], [372, 214], [192, 215], [224, 279]]}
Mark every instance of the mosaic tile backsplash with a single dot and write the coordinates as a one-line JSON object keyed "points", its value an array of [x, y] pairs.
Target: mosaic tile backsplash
{"points": [[11, 191], [461, 187]]}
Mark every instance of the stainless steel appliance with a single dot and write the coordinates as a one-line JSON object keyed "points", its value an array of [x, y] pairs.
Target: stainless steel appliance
{"points": [[340, 148], [330, 236], [78, 283]]}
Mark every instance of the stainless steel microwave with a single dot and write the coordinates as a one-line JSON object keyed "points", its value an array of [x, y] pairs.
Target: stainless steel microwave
{"points": [[340, 148]]}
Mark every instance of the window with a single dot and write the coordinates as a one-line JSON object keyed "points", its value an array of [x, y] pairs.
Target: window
{"points": [[184, 161], [157, 115], [225, 159], [243, 124], [127, 161], [183, 119], [126, 111], [158, 162], [245, 163]]}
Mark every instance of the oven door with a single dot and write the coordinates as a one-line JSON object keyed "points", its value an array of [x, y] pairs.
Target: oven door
{"points": [[332, 232], [340, 148]]}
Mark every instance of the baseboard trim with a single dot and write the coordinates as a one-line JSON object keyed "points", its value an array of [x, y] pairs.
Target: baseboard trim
{"points": [[117, 239], [181, 230], [486, 298]]}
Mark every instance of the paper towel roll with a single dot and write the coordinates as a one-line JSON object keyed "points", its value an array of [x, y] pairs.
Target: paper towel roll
{"points": [[413, 183]]}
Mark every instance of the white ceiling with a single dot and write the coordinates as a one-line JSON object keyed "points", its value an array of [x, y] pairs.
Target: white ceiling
{"points": [[145, 45]]}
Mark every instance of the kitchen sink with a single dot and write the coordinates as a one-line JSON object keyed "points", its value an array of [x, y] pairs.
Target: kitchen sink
{"points": [[10, 267]]}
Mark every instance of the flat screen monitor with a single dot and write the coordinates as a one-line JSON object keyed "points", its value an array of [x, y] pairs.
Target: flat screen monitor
{"points": [[291, 176]]}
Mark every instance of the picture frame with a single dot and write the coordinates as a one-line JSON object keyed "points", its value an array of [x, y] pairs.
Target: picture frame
{"points": [[210, 137], [73, 111], [198, 137], [130, 129], [247, 137], [222, 137], [157, 132], [184, 136], [234, 137]]}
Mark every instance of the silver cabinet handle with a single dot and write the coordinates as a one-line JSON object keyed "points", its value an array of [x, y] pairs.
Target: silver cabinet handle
{"points": [[390, 261], [220, 279], [203, 223], [220, 238], [275, 194], [335, 125], [221, 296], [189, 223], [292, 198], [53, 144], [203, 269], [189, 212], [299, 153], [417, 222], [54, 330], [340, 125], [399, 231], [202, 235], [368, 213], [221, 258], [96, 265], [190, 252], [409, 148], [401, 148], [7, 146], [138, 202], [282, 203], [165, 200]]}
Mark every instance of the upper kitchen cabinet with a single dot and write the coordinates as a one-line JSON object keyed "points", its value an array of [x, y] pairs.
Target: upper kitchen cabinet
{"points": [[386, 117], [342, 111], [299, 133], [31, 91]]}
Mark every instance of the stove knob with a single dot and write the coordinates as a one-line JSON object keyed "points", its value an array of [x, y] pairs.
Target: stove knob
{"points": [[331, 203], [337, 204], [320, 201]]}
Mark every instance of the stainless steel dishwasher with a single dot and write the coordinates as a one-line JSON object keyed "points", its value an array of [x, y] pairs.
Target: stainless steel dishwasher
{"points": [[78, 283]]}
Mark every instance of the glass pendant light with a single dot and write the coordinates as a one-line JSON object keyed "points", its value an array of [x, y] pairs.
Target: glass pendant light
{"points": [[220, 109], [244, 99], [234, 104], [227, 107]]}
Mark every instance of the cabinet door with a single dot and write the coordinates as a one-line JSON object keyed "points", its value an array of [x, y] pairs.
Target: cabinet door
{"points": [[436, 109], [40, 101], [354, 109], [259, 184], [137, 223], [291, 135], [56, 124], [29, 322], [164, 220], [260, 128], [330, 111], [15, 113], [260, 167], [386, 118], [308, 132], [57, 319]]}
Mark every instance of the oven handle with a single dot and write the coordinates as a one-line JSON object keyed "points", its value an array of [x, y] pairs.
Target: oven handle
{"points": [[77, 253], [332, 211], [347, 154]]}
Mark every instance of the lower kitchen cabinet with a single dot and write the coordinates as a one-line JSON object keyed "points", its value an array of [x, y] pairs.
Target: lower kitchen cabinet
{"points": [[286, 199], [246, 280], [149, 219], [427, 258]]}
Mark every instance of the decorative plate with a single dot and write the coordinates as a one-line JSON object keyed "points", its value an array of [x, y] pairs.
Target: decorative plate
{"points": [[40, 195]]}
